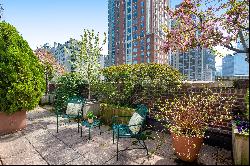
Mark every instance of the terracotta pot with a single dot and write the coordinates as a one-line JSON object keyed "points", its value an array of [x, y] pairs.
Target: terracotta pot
{"points": [[187, 148], [90, 120], [12, 123]]}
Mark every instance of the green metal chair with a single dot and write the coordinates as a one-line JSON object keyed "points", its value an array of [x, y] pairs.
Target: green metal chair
{"points": [[74, 110], [131, 130]]}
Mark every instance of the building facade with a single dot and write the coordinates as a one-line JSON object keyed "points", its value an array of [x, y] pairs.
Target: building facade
{"points": [[135, 31], [235, 65]]}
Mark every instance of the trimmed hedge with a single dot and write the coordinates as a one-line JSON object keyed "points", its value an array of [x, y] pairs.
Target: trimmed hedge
{"points": [[22, 81], [128, 85]]}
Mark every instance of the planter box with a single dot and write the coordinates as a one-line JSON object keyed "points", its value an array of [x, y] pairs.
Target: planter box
{"points": [[47, 99], [93, 106], [12, 123], [240, 148]]}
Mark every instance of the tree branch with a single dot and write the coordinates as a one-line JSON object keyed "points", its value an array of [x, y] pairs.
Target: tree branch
{"points": [[236, 49]]}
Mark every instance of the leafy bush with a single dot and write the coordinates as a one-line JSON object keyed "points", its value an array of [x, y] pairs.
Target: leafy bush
{"points": [[191, 113], [70, 84], [128, 85], [22, 80]]}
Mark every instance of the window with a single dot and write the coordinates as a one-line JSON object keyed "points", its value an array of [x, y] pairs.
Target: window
{"points": [[135, 50], [135, 36], [142, 18], [142, 3]]}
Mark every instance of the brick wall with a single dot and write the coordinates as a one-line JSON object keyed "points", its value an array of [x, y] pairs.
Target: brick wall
{"points": [[224, 126]]}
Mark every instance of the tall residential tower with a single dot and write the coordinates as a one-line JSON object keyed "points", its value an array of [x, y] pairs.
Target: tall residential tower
{"points": [[135, 31]]}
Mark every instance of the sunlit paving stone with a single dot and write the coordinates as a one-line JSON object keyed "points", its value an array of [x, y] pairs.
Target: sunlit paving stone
{"points": [[46, 146]]}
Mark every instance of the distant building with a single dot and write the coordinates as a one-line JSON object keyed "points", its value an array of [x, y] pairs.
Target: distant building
{"points": [[235, 65], [64, 54], [135, 33]]}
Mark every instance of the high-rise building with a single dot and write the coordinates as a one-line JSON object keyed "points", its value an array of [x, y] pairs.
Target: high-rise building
{"points": [[135, 31], [198, 64], [235, 65]]}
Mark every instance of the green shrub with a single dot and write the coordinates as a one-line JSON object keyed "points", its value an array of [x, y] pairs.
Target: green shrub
{"points": [[128, 85], [22, 80], [70, 84]]}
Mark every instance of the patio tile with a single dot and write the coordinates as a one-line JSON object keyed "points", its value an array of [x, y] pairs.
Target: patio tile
{"points": [[122, 160], [80, 161], [208, 155], [158, 160], [50, 147], [14, 148], [29, 157], [65, 156]]}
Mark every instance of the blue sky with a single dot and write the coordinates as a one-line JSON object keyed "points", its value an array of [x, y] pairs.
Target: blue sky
{"points": [[49, 21]]}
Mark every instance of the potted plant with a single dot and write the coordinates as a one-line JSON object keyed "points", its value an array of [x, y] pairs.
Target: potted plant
{"points": [[23, 80], [188, 118], [240, 136], [90, 115]]}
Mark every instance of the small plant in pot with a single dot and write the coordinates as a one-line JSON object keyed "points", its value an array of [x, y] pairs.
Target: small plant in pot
{"points": [[90, 115], [188, 118]]}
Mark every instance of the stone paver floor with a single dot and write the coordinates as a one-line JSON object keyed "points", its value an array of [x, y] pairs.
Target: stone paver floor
{"points": [[40, 144]]}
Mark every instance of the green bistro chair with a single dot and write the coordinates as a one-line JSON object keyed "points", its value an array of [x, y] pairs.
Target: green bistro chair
{"points": [[133, 130], [74, 110]]}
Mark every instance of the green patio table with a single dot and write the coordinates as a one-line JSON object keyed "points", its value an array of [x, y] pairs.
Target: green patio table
{"points": [[96, 123]]}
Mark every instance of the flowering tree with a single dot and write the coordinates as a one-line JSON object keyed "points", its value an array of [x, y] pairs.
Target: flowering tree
{"points": [[85, 57], [50, 64], [208, 23]]}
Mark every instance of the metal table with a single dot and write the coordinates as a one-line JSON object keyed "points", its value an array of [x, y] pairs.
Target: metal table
{"points": [[96, 123]]}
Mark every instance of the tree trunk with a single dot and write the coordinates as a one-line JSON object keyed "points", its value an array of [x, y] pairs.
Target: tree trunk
{"points": [[46, 78]]}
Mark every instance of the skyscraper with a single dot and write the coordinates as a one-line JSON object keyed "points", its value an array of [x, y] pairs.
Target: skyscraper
{"points": [[135, 31], [235, 65]]}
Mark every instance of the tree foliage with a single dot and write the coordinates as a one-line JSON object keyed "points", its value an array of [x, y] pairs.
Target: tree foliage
{"points": [[86, 57], [52, 67], [22, 81], [68, 85], [208, 23]]}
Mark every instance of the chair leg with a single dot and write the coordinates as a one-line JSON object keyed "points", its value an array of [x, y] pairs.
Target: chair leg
{"points": [[145, 146], [113, 137], [57, 122], [81, 130], [78, 124], [117, 148]]}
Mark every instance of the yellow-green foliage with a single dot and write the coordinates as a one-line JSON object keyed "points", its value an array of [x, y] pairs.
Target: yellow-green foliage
{"points": [[22, 81], [109, 110], [128, 85]]}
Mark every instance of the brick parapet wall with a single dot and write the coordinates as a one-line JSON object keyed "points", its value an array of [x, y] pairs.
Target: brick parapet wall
{"points": [[223, 126]]}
